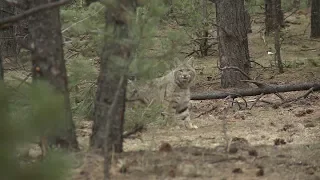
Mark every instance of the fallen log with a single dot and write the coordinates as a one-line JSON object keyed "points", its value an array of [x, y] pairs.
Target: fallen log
{"points": [[270, 89]]}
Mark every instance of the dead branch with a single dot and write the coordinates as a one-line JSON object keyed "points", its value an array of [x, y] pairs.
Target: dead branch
{"points": [[12, 19], [256, 101], [243, 99], [205, 112], [136, 129], [258, 64], [296, 99], [235, 68], [257, 91], [24, 80]]}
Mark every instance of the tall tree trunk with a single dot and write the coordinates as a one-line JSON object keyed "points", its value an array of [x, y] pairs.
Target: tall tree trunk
{"points": [[233, 42], [269, 15], [315, 19], [114, 61], [48, 63]]}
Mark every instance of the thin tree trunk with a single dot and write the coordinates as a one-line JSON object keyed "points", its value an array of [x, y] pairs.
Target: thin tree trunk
{"points": [[205, 32], [233, 42], [114, 61], [315, 19], [269, 15], [277, 44], [48, 64]]}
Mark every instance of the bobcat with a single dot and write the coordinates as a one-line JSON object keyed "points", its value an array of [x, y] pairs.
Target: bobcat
{"points": [[172, 91]]}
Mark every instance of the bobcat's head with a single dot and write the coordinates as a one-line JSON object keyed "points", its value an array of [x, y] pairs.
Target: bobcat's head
{"points": [[184, 74]]}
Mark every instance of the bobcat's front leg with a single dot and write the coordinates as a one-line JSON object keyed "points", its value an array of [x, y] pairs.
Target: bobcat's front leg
{"points": [[169, 112]]}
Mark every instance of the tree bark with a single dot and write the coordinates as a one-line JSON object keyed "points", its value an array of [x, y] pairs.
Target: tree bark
{"points": [[48, 64], [257, 91], [269, 15], [315, 19], [277, 44], [205, 32], [233, 42], [114, 61]]}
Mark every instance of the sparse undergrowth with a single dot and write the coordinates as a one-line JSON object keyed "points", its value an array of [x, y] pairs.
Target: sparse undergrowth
{"points": [[297, 157]]}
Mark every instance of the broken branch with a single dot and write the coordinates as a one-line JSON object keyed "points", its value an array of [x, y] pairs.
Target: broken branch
{"points": [[12, 19]]}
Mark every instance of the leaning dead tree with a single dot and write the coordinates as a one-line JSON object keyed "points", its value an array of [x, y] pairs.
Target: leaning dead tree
{"points": [[263, 89]]}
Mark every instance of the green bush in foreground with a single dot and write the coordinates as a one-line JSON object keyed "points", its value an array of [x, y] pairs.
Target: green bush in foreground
{"points": [[43, 116]]}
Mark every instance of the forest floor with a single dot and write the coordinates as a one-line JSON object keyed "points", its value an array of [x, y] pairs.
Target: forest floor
{"points": [[268, 142], [265, 142]]}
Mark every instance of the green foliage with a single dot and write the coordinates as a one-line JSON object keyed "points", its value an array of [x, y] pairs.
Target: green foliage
{"points": [[137, 114], [45, 114]]}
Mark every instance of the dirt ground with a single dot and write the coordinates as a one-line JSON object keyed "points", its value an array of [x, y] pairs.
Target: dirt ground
{"points": [[266, 142]]}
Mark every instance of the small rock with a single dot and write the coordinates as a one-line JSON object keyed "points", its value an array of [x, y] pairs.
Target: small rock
{"points": [[287, 126], [309, 111], [165, 147], [310, 170], [279, 141], [237, 171], [252, 152], [172, 172], [272, 124], [239, 115], [233, 149], [300, 113], [260, 172]]}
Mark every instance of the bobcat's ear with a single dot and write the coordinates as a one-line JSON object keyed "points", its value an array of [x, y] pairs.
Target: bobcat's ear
{"points": [[190, 61]]}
